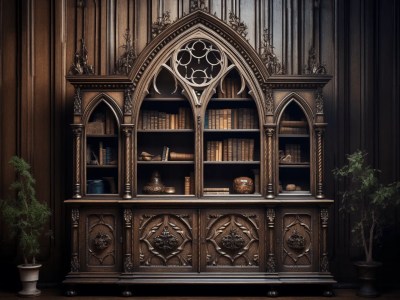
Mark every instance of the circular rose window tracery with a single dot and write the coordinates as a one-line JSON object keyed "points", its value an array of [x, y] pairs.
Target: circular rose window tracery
{"points": [[198, 62]]}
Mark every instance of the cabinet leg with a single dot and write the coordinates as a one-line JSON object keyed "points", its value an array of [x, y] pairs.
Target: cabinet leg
{"points": [[127, 292], [328, 292], [273, 292], [71, 291]]}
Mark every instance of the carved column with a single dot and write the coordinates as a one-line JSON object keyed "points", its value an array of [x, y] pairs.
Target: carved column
{"points": [[324, 262], [319, 131], [75, 264], [270, 187], [128, 265], [271, 263], [127, 130], [77, 130]]}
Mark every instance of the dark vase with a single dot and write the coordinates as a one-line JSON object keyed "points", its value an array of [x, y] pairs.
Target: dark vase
{"points": [[155, 186], [367, 275]]}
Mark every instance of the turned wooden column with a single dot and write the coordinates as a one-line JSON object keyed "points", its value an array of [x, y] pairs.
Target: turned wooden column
{"points": [[319, 132], [271, 262], [269, 158], [324, 262], [128, 264], [75, 264], [77, 130], [127, 130]]}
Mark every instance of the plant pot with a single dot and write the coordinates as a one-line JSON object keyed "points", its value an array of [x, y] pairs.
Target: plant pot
{"points": [[29, 275], [367, 275]]}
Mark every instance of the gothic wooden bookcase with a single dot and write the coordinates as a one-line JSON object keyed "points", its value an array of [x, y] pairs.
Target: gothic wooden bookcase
{"points": [[199, 109]]}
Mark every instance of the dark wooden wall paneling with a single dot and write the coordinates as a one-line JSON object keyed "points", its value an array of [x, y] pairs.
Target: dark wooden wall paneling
{"points": [[357, 40]]}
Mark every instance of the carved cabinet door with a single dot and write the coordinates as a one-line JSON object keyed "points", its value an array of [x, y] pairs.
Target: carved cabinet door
{"points": [[99, 240], [165, 240], [297, 239], [232, 240]]}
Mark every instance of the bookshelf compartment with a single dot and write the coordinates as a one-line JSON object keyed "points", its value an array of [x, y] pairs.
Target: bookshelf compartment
{"points": [[294, 180], [181, 179], [218, 178], [102, 180]]}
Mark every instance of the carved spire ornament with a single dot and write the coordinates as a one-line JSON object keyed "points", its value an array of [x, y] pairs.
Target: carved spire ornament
{"points": [[125, 62], [162, 22], [198, 5], [268, 56], [239, 26], [80, 65], [314, 67]]}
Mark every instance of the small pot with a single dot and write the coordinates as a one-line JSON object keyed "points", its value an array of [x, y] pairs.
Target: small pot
{"points": [[367, 275], [243, 185], [29, 275]]}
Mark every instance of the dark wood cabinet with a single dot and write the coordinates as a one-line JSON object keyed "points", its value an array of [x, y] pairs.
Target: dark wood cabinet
{"points": [[199, 167]]}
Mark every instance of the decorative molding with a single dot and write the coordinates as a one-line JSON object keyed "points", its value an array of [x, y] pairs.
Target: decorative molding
{"points": [[232, 241], [319, 101], [313, 66], [166, 242], [127, 59], [269, 102], [75, 264], [128, 101], [324, 264], [77, 101], [239, 26], [80, 65], [77, 130], [128, 265], [296, 241], [268, 56], [271, 264], [161, 23]]}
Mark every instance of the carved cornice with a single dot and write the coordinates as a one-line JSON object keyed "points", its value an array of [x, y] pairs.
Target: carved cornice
{"points": [[198, 5], [297, 81], [112, 82]]}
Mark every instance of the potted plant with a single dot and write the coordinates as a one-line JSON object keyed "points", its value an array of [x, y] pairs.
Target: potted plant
{"points": [[26, 218], [367, 200]]}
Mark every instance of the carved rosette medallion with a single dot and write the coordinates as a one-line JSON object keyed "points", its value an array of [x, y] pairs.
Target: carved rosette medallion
{"points": [[297, 240], [101, 239], [232, 240], [165, 240]]}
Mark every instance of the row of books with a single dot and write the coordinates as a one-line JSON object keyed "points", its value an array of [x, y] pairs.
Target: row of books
{"points": [[231, 118], [230, 88], [293, 126], [102, 122], [232, 149], [101, 155], [154, 119], [292, 154]]}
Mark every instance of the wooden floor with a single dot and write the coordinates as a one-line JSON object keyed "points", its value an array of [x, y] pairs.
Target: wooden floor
{"points": [[342, 294]]}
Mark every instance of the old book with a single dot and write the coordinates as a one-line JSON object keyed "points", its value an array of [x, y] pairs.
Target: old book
{"points": [[215, 193], [178, 156], [216, 189], [187, 185]]}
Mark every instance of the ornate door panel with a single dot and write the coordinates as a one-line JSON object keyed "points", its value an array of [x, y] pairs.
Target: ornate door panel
{"points": [[232, 240], [100, 249], [298, 242], [165, 240]]}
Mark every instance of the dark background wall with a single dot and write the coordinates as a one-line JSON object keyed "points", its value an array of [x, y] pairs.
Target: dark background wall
{"points": [[357, 41]]}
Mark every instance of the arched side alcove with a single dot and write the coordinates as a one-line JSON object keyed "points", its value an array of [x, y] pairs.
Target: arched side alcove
{"points": [[102, 147], [294, 148]]}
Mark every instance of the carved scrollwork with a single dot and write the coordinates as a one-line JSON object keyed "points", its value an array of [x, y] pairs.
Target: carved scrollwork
{"points": [[128, 265], [319, 101], [269, 102], [271, 264], [77, 101], [127, 102], [75, 264]]}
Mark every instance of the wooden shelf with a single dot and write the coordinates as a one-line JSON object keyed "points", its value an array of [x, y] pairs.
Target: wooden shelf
{"points": [[102, 166], [233, 162], [293, 135], [231, 130], [295, 165], [165, 130], [165, 162], [101, 136]]}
